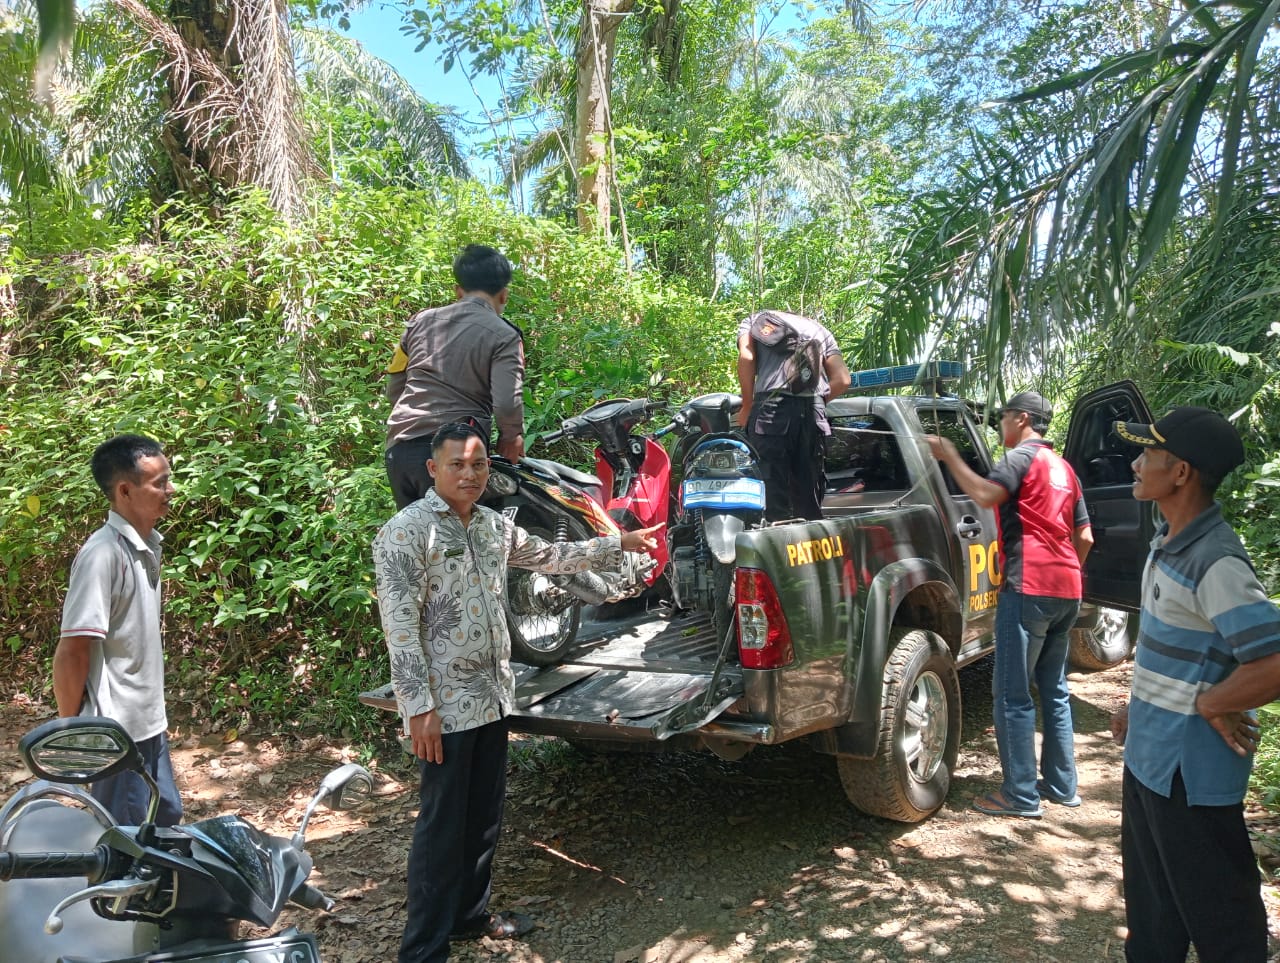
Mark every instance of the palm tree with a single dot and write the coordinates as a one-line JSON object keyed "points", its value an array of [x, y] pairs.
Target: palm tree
{"points": [[68, 142], [225, 109], [1099, 195], [213, 87], [339, 70]]}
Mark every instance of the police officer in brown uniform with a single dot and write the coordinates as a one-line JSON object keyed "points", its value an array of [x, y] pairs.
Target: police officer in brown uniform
{"points": [[459, 363]]}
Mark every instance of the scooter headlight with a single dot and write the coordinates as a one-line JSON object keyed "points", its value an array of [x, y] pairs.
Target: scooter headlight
{"points": [[721, 457]]}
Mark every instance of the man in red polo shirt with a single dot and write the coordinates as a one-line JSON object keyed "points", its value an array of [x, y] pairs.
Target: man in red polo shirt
{"points": [[1044, 538]]}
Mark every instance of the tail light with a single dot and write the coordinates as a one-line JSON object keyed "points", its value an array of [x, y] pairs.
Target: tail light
{"points": [[764, 641]]}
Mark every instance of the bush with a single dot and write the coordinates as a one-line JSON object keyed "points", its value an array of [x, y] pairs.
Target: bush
{"points": [[256, 356]]}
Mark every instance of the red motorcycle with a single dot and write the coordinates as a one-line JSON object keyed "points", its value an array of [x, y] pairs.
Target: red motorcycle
{"points": [[630, 490], [634, 471]]}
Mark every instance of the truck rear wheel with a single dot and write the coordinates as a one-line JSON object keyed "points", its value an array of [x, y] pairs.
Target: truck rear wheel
{"points": [[542, 617], [1107, 644], [919, 742]]}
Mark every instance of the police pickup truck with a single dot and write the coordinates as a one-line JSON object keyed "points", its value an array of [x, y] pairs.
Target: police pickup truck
{"points": [[851, 629]]}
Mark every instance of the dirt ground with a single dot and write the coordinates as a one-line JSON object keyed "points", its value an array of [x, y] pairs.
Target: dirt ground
{"points": [[633, 858]]}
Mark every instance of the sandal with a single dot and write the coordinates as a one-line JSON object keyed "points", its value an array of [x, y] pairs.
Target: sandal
{"points": [[499, 926], [994, 804]]}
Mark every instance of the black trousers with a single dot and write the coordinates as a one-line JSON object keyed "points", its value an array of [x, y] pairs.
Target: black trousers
{"points": [[1189, 877], [784, 431], [406, 463], [451, 859]]}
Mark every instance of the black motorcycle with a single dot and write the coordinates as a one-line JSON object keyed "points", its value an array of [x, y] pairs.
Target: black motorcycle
{"points": [[153, 894], [558, 503]]}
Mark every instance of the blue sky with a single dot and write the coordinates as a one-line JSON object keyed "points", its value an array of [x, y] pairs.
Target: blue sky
{"points": [[377, 28]]}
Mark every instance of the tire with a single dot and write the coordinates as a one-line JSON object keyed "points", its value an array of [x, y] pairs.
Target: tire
{"points": [[1108, 644], [919, 742], [542, 619], [722, 608]]}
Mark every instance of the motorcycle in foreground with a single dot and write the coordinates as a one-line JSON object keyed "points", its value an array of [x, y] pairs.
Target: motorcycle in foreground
{"points": [[154, 894]]}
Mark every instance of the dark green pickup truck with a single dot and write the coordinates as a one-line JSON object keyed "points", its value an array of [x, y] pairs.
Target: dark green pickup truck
{"points": [[851, 629]]}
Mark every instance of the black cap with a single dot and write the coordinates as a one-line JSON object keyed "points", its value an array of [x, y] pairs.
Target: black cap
{"points": [[1032, 402], [1199, 436]]}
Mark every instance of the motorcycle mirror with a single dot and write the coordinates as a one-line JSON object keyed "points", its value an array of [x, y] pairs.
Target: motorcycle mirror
{"points": [[343, 788], [79, 750], [347, 787]]}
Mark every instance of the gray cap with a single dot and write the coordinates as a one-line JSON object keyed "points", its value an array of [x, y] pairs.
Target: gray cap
{"points": [[1032, 402]]}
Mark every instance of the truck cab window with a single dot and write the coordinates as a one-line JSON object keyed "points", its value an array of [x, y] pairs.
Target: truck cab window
{"points": [[1107, 459], [950, 423], [863, 456]]}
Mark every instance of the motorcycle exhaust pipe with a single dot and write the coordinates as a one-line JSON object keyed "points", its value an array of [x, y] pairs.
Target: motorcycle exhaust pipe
{"points": [[595, 589], [588, 586]]}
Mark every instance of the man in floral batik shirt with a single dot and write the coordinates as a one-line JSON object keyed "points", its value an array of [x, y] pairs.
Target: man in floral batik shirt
{"points": [[442, 568]]}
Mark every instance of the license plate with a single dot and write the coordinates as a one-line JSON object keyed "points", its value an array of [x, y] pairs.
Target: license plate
{"points": [[745, 493], [298, 948]]}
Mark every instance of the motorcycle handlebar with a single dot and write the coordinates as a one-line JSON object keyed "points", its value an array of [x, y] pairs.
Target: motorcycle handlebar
{"points": [[309, 897], [580, 427], [54, 865]]}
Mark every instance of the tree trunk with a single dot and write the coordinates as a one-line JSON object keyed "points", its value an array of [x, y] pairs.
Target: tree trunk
{"points": [[231, 114], [663, 37], [596, 39]]}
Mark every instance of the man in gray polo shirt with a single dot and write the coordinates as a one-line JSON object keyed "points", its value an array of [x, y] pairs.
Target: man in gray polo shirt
{"points": [[460, 363], [110, 658], [1208, 653]]}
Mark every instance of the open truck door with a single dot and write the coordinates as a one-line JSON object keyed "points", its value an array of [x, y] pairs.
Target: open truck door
{"points": [[1122, 526]]}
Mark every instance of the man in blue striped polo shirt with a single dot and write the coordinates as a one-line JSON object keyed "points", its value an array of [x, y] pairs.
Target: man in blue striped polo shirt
{"points": [[1208, 653]]}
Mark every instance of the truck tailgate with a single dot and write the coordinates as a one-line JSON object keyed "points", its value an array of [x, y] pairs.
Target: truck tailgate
{"points": [[640, 678]]}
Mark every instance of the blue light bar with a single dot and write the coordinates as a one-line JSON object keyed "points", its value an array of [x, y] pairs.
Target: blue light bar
{"points": [[907, 376]]}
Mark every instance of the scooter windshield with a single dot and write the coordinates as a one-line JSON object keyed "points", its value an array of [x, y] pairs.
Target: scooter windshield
{"points": [[247, 850]]}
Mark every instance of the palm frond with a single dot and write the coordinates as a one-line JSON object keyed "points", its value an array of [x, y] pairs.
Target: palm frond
{"points": [[343, 67], [277, 156], [1056, 231]]}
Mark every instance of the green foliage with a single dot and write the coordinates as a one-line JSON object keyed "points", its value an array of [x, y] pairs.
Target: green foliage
{"points": [[71, 158], [370, 126], [1135, 148], [256, 355], [1266, 762]]}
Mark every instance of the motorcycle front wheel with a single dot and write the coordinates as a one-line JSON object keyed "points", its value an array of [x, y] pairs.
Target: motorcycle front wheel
{"points": [[542, 617]]}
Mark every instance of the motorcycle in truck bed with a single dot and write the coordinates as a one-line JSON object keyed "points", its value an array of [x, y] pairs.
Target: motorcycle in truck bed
{"points": [[849, 630]]}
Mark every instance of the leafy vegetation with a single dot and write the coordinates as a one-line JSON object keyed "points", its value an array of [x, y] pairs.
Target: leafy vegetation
{"points": [[273, 416], [216, 243]]}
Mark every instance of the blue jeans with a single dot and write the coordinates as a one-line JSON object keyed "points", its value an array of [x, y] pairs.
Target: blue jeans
{"points": [[126, 795], [1032, 636]]}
